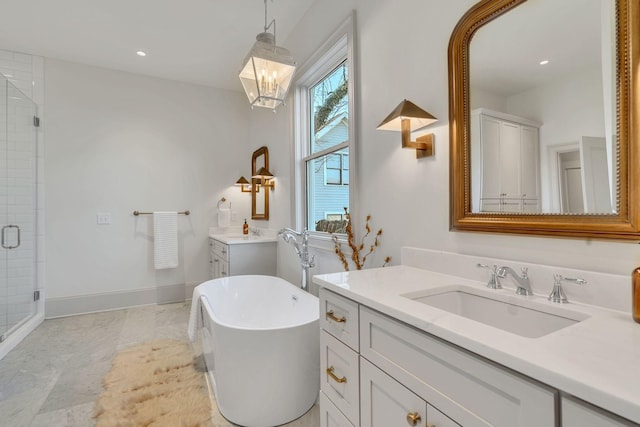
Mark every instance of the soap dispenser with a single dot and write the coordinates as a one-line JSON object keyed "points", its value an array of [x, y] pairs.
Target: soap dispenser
{"points": [[245, 227]]}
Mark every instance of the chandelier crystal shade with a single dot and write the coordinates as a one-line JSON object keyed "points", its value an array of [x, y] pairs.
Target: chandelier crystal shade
{"points": [[268, 70]]}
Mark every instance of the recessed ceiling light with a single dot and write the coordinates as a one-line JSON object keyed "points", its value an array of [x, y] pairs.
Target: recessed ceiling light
{"points": [[141, 53], [545, 62]]}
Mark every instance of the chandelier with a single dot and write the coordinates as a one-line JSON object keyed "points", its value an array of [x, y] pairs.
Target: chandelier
{"points": [[267, 70]]}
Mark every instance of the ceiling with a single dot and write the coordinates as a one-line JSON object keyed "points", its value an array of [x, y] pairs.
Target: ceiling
{"points": [[505, 54], [196, 41]]}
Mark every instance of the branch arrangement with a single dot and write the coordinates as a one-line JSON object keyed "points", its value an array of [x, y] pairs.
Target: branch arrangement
{"points": [[357, 248]]}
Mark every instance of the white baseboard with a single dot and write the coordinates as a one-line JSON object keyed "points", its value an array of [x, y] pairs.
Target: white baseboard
{"points": [[83, 304]]}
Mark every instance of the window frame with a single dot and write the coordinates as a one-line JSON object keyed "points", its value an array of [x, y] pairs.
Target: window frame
{"points": [[338, 48], [341, 171]]}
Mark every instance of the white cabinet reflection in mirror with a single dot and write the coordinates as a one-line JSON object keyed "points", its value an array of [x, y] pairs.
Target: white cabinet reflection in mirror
{"points": [[505, 162]]}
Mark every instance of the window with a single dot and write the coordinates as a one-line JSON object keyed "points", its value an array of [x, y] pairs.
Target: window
{"points": [[336, 169], [325, 136], [334, 216]]}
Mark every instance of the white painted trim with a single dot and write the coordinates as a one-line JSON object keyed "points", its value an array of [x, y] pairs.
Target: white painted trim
{"points": [[332, 52], [16, 337], [553, 157], [84, 304]]}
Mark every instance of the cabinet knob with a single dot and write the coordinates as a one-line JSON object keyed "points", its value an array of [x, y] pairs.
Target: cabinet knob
{"points": [[332, 316], [335, 377], [224, 251], [413, 418]]}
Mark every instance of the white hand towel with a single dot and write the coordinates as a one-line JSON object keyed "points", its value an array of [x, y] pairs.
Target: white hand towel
{"points": [[195, 319], [224, 217], [165, 235]]}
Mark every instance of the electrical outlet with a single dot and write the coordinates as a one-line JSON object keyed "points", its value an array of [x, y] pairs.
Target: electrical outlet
{"points": [[103, 218]]}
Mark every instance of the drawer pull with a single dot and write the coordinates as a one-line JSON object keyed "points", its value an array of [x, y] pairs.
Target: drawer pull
{"points": [[336, 319], [413, 418], [336, 379]]}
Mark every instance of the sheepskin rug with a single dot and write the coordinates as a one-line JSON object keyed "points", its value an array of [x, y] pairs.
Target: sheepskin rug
{"points": [[154, 384]]}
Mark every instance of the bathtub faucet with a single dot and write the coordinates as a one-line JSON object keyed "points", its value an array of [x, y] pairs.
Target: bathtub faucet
{"points": [[302, 250]]}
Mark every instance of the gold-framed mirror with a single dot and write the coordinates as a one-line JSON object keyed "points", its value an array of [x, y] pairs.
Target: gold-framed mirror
{"points": [[500, 142], [259, 194]]}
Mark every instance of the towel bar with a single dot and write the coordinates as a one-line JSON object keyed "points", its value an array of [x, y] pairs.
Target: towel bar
{"points": [[136, 213]]}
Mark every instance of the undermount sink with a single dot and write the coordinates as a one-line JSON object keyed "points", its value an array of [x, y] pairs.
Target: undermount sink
{"points": [[513, 314], [239, 236]]}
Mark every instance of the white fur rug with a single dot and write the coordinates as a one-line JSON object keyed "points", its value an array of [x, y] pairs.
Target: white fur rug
{"points": [[154, 384]]}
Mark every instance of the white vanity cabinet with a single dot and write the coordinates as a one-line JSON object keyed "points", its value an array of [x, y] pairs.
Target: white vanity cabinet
{"points": [[505, 162], [230, 258], [405, 375], [576, 413], [390, 403], [339, 361], [468, 389]]}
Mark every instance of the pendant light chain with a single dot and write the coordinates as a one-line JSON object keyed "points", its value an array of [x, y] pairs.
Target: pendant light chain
{"points": [[273, 22]]}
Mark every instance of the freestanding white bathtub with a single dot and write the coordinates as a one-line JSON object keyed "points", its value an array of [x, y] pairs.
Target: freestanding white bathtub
{"points": [[260, 339]]}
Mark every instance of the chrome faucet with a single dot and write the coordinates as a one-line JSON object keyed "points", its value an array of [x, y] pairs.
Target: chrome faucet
{"points": [[302, 250], [494, 282], [522, 279], [557, 294]]}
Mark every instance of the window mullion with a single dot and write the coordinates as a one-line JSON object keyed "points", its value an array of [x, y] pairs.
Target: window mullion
{"points": [[326, 151]]}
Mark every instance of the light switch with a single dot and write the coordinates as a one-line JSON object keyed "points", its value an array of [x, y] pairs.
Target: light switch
{"points": [[103, 218]]}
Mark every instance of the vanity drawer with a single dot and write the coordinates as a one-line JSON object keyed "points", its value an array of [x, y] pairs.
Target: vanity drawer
{"points": [[339, 379], [386, 402], [221, 249], [469, 389], [339, 317], [330, 416], [576, 413]]}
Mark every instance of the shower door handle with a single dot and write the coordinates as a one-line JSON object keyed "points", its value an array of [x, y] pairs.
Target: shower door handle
{"points": [[4, 233]]}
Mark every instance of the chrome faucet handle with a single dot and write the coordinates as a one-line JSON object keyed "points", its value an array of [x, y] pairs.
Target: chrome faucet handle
{"points": [[557, 295], [494, 282], [523, 272]]}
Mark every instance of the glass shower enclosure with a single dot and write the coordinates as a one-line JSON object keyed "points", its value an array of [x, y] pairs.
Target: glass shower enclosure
{"points": [[18, 178]]}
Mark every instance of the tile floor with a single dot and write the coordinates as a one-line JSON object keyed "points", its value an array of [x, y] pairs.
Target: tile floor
{"points": [[53, 377]]}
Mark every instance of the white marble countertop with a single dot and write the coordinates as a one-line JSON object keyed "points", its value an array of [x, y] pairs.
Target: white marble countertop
{"points": [[239, 238], [597, 359]]}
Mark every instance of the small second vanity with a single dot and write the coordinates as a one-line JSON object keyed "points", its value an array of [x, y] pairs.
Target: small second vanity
{"points": [[236, 254], [389, 360]]}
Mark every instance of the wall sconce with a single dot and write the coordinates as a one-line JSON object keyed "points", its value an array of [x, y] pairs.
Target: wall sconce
{"points": [[245, 186], [265, 177], [406, 118]]}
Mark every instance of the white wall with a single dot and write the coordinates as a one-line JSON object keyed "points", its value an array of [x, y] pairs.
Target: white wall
{"points": [[568, 109], [403, 54], [119, 142]]}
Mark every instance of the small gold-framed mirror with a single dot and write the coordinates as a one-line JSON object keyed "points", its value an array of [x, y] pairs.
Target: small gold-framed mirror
{"points": [[259, 194], [522, 188]]}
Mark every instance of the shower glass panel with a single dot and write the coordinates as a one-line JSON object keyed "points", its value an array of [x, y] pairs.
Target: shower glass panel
{"points": [[18, 144]]}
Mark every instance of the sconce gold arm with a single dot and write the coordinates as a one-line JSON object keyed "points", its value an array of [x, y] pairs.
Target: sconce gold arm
{"points": [[244, 184], [423, 144], [332, 316], [334, 377]]}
